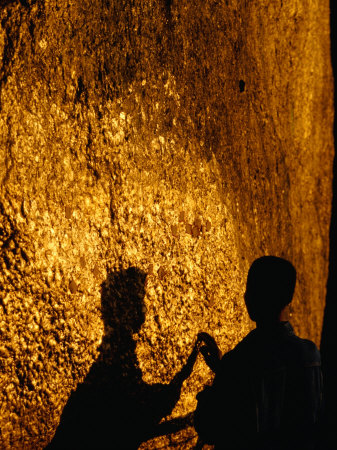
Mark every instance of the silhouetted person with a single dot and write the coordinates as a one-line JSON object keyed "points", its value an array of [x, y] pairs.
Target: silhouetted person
{"points": [[114, 408], [267, 391]]}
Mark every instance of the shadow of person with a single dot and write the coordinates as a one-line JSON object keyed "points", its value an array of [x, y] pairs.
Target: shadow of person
{"points": [[113, 407]]}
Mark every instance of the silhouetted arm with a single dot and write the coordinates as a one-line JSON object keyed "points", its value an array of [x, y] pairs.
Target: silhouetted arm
{"points": [[209, 350], [186, 371], [164, 397]]}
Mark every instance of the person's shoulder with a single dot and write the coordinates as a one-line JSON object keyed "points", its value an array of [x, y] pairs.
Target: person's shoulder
{"points": [[305, 344], [303, 351], [240, 351]]}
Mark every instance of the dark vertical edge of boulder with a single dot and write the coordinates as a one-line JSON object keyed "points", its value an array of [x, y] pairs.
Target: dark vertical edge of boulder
{"points": [[329, 332]]}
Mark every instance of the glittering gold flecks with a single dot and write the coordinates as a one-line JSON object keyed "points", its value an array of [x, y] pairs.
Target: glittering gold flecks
{"points": [[182, 143]]}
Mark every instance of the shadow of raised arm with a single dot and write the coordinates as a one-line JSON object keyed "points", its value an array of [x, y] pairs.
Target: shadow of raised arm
{"points": [[113, 407]]}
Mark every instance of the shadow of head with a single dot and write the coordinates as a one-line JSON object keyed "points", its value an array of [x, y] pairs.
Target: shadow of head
{"points": [[106, 404], [123, 300], [270, 287], [114, 406], [123, 313]]}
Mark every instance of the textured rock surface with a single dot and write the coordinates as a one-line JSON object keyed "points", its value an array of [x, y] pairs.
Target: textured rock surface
{"points": [[182, 138]]}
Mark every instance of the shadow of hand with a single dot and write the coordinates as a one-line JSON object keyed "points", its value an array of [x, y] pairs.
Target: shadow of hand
{"points": [[113, 405]]}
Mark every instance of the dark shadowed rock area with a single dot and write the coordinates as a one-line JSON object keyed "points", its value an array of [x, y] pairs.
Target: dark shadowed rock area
{"points": [[176, 139]]}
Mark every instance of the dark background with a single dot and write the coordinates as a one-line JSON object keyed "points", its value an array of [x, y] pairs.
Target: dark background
{"points": [[329, 333]]}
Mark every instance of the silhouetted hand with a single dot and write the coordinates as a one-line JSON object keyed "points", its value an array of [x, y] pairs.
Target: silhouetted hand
{"points": [[209, 350]]}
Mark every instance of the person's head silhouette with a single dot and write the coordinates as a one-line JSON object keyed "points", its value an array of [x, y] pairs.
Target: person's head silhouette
{"points": [[270, 288], [123, 305]]}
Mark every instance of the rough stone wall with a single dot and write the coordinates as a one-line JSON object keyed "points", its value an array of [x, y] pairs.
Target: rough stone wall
{"points": [[181, 138]]}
